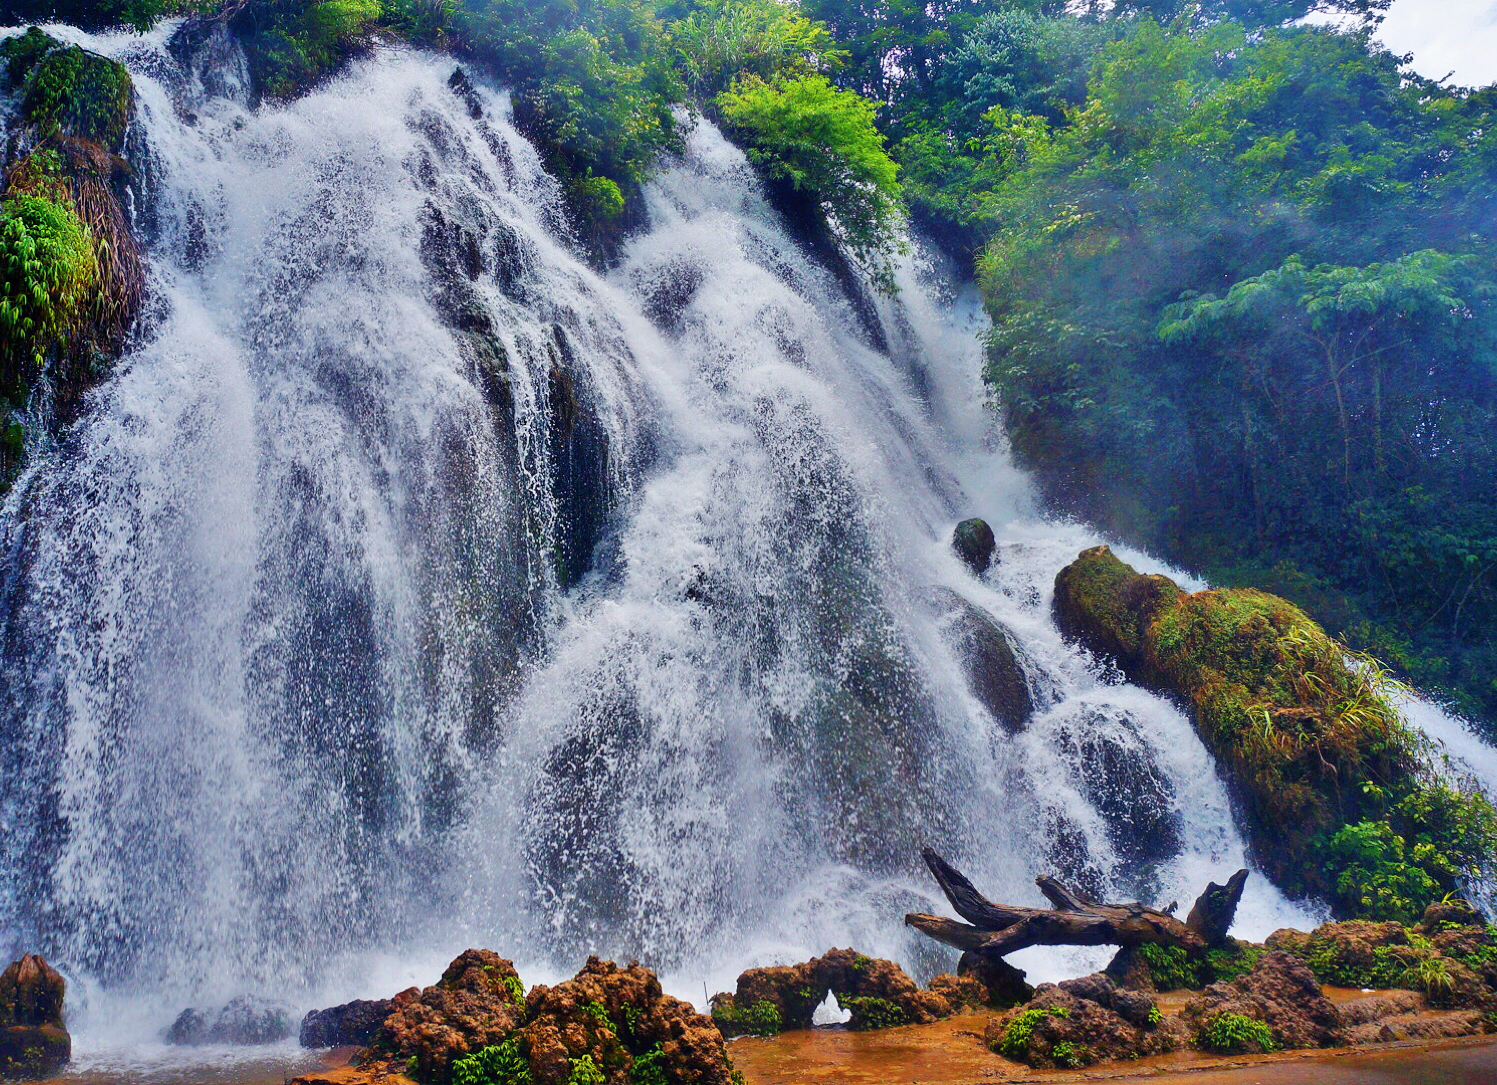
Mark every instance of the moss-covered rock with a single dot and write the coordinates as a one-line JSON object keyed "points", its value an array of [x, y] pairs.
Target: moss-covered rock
{"points": [[67, 90], [1342, 798]]}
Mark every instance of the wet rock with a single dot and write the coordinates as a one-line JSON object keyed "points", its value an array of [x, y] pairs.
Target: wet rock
{"points": [[1135, 1007], [974, 543], [244, 1021], [31, 993], [479, 1002], [33, 1052], [994, 674], [1059, 1028], [1281, 992], [1347, 954], [1419, 1027], [355, 1023], [1365, 1011], [33, 1042], [1441, 916], [877, 992], [1005, 983]]}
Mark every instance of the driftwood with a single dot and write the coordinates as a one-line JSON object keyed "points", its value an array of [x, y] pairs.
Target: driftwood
{"points": [[993, 930]]}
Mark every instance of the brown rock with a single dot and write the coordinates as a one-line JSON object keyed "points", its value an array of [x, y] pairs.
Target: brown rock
{"points": [[1135, 1007], [478, 1003], [616, 1017], [1289, 940], [33, 1052], [1005, 983], [960, 992], [1439, 915], [1419, 1027], [877, 992], [1365, 1011], [355, 1023], [1280, 991], [1065, 1030], [31, 993]]}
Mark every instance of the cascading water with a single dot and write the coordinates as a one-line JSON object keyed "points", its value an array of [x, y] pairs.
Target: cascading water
{"points": [[410, 586]]}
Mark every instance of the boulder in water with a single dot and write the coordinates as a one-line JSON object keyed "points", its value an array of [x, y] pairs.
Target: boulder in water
{"points": [[974, 543], [355, 1023], [478, 1003], [994, 674], [244, 1021], [33, 1042]]}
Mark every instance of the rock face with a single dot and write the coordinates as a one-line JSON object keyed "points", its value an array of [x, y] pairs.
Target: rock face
{"points": [[246, 1021], [994, 673], [1282, 993], [876, 992], [355, 1023], [1266, 689], [974, 543], [33, 1042], [607, 1026]]}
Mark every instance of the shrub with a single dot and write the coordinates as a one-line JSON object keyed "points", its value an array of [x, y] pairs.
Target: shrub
{"points": [[760, 1019], [822, 141], [1234, 1034], [294, 43], [725, 39], [1169, 966], [48, 272], [585, 1072], [872, 1013]]}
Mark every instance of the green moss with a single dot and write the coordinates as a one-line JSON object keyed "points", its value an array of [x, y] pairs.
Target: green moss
{"points": [[1020, 1031], [294, 43], [760, 1019], [1234, 1034], [649, 1068], [501, 1064], [1343, 798], [1170, 967], [872, 1013], [1227, 963]]}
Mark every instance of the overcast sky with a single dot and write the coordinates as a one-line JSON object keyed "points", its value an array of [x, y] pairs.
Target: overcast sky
{"points": [[1457, 36]]}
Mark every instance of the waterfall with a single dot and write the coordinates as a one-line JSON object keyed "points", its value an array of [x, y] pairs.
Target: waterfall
{"points": [[410, 585]]}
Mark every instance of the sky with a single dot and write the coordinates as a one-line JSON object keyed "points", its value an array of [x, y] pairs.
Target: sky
{"points": [[1457, 36]]}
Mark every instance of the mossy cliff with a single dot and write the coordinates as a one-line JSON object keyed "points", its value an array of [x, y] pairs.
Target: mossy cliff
{"points": [[1342, 799], [71, 275]]}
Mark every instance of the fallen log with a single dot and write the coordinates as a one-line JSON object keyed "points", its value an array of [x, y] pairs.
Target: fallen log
{"points": [[1074, 919]]}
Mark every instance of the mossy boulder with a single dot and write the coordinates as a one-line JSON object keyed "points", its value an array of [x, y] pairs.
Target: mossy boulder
{"points": [[1080, 1022], [974, 543], [67, 90], [1342, 799]]}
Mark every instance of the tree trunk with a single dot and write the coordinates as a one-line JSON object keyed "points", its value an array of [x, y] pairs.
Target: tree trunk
{"points": [[993, 930]]}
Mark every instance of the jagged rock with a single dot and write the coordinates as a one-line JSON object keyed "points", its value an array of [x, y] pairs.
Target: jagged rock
{"points": [[877, 992], [479, 1002], [607, 1026], [1441, 915], [974, 543], [994, 673], [619, 1021], [33, 1042], [1365, 1011], [1135, 1007], [31, 993], [355, 1023], [1061, 1028], [1281, 992], [1005, 983], [244, 1021]]}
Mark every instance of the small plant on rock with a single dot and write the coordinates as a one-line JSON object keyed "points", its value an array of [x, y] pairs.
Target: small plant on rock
{"points": [[1235, 1034], [501, 1064], [1016, 1038]]}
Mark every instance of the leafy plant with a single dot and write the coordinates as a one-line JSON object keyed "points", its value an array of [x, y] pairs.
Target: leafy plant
{"points": [[1233, 1033], [1169, 966], [762, 1018], [500, 1064], [872, 1013], [648, 1068], [1020, 1031], [585, 1072]]}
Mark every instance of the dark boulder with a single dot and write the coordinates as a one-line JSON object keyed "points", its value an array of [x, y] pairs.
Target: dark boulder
{"points": [[33, 1042], [974, 543], [244, 1021], [354, 1023], [986, 651]]}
